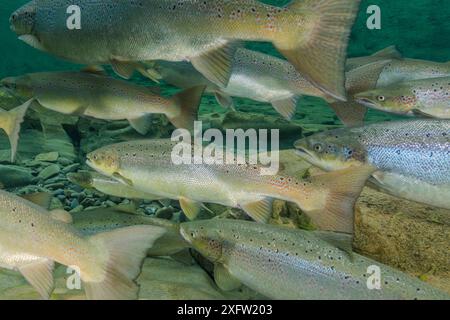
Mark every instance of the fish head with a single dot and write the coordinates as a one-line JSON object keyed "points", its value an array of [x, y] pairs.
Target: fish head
{"points": [[394, 100], [105, 160], [23, 20], [82, 178], [205, 240], [18, 86], [332, 150]]}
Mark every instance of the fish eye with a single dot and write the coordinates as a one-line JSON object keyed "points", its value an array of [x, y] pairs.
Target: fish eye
{"points": [[318, 147], [381, 98], [14, 17]]}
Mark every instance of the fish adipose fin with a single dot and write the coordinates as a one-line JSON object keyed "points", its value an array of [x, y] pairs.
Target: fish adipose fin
{"points": [[344, 188], [390, 52], [224, 280], [10, 121], [224, 100], [320, 55], [40, 275], [260, 210], [142, 124], [125, 249], [216, 64], [187, 102], [286, 107], [352, 114]]}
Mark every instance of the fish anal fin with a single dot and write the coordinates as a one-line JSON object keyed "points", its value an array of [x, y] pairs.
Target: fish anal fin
{"points": [[286, 107], [190, 208], [224, 100], [40, 275], [42, 199], [216, 64], [224, 280], [260, 210]]}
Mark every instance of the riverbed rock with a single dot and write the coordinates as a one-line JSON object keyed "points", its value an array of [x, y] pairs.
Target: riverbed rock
{"points": [[12, 176]]}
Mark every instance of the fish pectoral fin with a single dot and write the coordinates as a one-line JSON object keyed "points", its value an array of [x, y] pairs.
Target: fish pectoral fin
{"points": [[190, 208], [260, 210], [390, 52], [365, 78], [224, 280], [142, 124], [352, 114], [42, 199], [224, 100], [33, 41], [122, 179], [40, 275], [97, 70], [286, 107], [123, 69], [342, 241], [216, 64], [61, 215], [422, 113], [183, 256]]}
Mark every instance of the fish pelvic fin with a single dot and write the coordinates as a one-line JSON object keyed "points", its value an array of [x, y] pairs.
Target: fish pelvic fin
{"points": [[10, 122], [318, 46], [187, 102], [344, 188], [259, 210], [126, 249], [286, 107]]}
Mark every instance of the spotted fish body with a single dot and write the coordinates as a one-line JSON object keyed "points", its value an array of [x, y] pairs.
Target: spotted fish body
{"points": [[32, 239], [329, 199], [412, 157], [283, 263], [203, 32], [430, 97]]}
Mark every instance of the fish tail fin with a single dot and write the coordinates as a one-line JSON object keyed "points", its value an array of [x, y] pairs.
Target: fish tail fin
{"points": [[187, 103], [318, 45], [125, 250], [351, 114], [10, 122], [344, 188]]}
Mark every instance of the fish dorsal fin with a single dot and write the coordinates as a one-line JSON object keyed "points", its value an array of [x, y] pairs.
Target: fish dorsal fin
{"points": [[390, 52], [42, 199], [40, 275], [190, 207], [97, 70], [342, 241], [32, 41], [123, 69], [286, 107], [365, 77], [216, 64], [61, 215], [260, 210], [224, 280]]}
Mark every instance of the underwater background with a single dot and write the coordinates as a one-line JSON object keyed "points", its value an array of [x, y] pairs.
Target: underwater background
{"points": [[52, 145]]}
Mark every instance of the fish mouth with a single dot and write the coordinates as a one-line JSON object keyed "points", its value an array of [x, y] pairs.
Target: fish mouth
{"points": [[366, 102], [185, 235], [303, 152]]}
